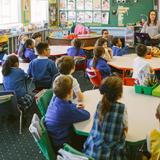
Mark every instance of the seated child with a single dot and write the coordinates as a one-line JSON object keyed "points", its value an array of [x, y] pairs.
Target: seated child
{"points": [[21, 46], [37, 37], [14, 79], [153, 140], [42, 69], [108, 51], [66, 66], [99, 62], [106, 140], [62, 113], [117, 49], [105, 35], [29, 53], [76, 49], [141, 68]]}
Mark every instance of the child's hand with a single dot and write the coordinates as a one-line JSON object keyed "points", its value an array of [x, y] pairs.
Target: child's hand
{"points": [[80, 106]]}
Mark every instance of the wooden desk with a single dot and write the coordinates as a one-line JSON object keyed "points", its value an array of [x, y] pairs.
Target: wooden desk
{"points": [[141, 113], [87, 40], [23, 66]]}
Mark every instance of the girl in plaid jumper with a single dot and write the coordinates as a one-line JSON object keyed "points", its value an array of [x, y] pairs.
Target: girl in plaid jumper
{"points": [[107, 137]]}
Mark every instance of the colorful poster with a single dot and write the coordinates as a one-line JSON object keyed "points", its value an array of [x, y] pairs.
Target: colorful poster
{"points": [[96, 4], [105, 17], [80, 17], [105, 5], [71, 5], [63, 17], [88, 17], [80, 5], [71, 16], [88, 4], [97, 17], [63, 4]]}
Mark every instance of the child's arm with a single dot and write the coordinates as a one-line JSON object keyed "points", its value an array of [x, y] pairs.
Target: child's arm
{"points": [[110, 52], [79, 96]]}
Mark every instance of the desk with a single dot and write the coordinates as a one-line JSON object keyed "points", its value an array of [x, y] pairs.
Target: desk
{"points": [[141, 113], [23, 66], [87, 40], [126, 62]]}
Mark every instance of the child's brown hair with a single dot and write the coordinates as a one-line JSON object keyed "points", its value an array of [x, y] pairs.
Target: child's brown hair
{"points": [[65, 64], [41, 47], [62, 85], [111, 89], [141, 50]]}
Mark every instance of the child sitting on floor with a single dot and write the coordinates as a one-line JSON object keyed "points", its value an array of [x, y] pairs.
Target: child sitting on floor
{"points": [[106, 140], [66, 66], [117, 49], [62, 113]]}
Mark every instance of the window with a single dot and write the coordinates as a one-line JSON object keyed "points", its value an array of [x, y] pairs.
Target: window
{"points": [[39, 11], [9, 12]]}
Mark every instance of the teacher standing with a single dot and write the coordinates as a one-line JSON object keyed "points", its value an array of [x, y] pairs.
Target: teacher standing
{"points": [[152, 27]]}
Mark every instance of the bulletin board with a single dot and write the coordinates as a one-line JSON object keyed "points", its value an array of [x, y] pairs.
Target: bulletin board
{"points": [[101, 12]]}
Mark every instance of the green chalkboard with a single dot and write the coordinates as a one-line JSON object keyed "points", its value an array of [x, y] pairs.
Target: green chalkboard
{"points": [[80, 10]]}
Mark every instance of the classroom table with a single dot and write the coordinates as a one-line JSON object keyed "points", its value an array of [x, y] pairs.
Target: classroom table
{"points": [[23, 66], [141, 113], [125, 62]]}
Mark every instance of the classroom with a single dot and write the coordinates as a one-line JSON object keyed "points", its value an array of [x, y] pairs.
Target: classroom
{"points": [[79, 80]]}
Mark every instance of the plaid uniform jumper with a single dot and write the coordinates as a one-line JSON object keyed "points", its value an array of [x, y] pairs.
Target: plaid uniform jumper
{"points": [[106, 140]]}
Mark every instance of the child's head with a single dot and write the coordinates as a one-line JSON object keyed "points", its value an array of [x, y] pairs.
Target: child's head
{"points": [[37, 37], [43, 49], [22, 38], [111, 88], [158, 113], [62, 87], [66, 65], [11, 61], [105, 33], [117, 42], [76, 43], [101, 42], [29, 44], [98, 52], [141, 50]]}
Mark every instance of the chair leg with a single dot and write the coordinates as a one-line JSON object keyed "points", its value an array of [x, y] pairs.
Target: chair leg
{"points": [[20, 120]]}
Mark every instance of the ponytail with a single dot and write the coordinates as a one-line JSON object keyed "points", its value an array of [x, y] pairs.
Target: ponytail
{"points": [[8, 64]]}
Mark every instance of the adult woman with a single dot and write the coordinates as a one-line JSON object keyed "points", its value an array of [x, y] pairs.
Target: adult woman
{"points": [[152, 27]]}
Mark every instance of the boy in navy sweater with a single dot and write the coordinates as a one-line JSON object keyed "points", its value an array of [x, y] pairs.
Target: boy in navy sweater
{"points": [[42, 69], [62, 113]]}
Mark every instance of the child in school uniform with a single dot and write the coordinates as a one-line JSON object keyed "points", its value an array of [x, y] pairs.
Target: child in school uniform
{"points": [[29, 53], [117, 49], [99, 62], [108, 51], [106, 140], [37, 37], [66, 66], [42, 69], [141, 68], [153, 140], [105, 35], [62, 113], [76, 49], [21, 46], [14, 79]]}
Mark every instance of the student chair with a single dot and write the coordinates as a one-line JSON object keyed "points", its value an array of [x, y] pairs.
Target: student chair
{"points": [[94, 76], [9, 107], [41, 137], [43, 100]]}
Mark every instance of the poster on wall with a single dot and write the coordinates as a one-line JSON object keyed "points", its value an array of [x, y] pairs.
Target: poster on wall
{"points": [[88, 4], [80, 17], [71, 16], [71, 5], [80, 5], [105, 5], [26, 10], [96, 4], [63, 18], [63, 4], [97, 17], [88, 17], [105, 17]]}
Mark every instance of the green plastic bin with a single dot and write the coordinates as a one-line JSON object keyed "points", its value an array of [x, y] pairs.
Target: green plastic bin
{"points": [[148, 90], [138, 89]]}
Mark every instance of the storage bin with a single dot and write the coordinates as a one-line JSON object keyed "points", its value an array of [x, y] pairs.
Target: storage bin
{"points": [[138, 89], [156, 91]]}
